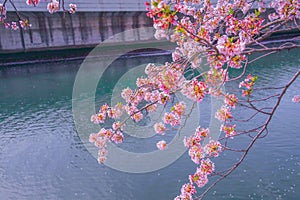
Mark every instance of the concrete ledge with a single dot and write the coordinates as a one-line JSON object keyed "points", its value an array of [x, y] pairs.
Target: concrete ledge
{"points": [[80, 53]]}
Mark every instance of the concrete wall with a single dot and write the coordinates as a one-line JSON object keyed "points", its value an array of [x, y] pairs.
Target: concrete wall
{"points": [[78, 30], [85, 5]]}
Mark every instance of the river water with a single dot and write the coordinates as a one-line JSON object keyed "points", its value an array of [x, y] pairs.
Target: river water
{"points": [[42, 155]]}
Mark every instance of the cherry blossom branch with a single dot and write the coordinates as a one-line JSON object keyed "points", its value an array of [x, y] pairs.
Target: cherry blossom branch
{"points": [[292, 46], [264, 99], [4, 2], [262, 56], [242, 74], [263, 129], [15, 8]]}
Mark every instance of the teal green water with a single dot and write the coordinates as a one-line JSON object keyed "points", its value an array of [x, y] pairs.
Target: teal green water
{"points": [[42, 157]]}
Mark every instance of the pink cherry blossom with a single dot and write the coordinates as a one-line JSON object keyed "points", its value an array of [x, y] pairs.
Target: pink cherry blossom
{"points": [[154, 96], [127, 94], [296, 99], [199, 179], [163, 98], [231, 100], [102, 155], [195, 90], [201, 132], [105, 133], [151, 108], [117, 125], [248, 83], [115, 112], [223, 114], [100, 142], [287, 9], [104, 108], [195, 139], [213, 148], [184, 197], [229, 130], [137, 116], [102, 152], [101, 159], [196, 152], [73, 8], [230, 47], [169, 80], [98, 118], [147, 96], [273, 16], [32, 2], [14, 26], [187, 190], [206, 166], [92, 138], [6, 25], [118, 138], [53, 6], [2, 12], [179, 108], [24, 24], [161, 145], [159, 128], [192, 141], [172, 119]]}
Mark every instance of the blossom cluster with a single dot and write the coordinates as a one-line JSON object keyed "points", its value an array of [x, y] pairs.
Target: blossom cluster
{"points": [[153, 90], [101, 138], [248, 84], [286, 9], [115, 134], [199, 155], [196, 151], [13, 25], [52, 7], [195, 90], [200, 178], [171, 118]]}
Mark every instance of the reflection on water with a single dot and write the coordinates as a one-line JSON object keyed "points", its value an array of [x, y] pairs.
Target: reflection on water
{"points": [[41, 156]]}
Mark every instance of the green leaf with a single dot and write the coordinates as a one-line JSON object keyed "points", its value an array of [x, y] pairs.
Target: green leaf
{"points": [[257, 13], [168, 10]]}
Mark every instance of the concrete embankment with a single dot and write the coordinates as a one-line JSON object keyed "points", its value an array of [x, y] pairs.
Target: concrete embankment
{"points": [[83, 29], [65, 36]]}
